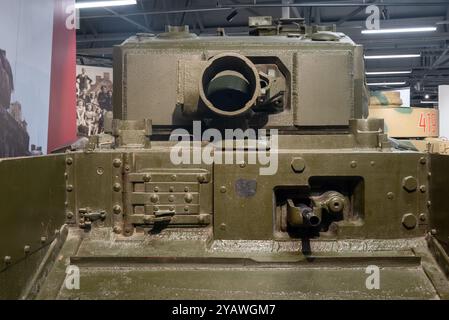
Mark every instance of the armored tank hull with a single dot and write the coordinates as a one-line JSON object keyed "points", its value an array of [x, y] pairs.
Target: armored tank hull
{"points": [[315, 204]]}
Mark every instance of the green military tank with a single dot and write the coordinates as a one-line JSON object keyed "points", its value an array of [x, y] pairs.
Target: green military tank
{"points": [[238, 167]]}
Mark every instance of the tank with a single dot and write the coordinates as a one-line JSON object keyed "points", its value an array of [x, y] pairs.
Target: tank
{"points": [[238, 167]]}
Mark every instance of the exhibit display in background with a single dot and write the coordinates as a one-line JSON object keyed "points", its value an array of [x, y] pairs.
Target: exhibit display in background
{"points": [[94, 98], [393, 99], [408, 122], [30, 76]]}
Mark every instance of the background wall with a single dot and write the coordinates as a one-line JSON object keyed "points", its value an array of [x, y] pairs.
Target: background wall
{"points": [[443, 105]]}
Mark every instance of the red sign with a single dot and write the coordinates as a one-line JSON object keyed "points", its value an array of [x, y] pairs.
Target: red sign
{"points": [[62, 114]]}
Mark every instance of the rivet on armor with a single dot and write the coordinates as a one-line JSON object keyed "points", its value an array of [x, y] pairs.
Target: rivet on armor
{"points": [[298, 164], [188, 198], [117, 187], [422, 217], [117, 163], [201, 178], [117, 209], [154, 198]]}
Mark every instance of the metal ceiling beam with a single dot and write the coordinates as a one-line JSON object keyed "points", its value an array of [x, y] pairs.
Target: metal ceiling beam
{"points": [[134, 23], [350, 15]]}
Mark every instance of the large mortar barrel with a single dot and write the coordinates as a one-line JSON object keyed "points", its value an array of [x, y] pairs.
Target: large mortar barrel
{"points": [[229, 85]]}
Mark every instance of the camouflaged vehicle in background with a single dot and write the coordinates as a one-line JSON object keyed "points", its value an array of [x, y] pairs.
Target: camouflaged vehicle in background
{"points": [[342, 204]]}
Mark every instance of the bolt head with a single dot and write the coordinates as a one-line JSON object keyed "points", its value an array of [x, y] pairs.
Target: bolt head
{"points": [[154, 198], [223, 189], [146, 178], [7, 259], [223, 226], [353, 164], [69, 215], [69, 188], [117, 229], [117, 187], [423, 160], [43, 239], [69, 161], [201, 178], [410, 184], [117, 209], [117, 163], [434, 232], [188, 198], [423, 188], [27, 249], [409, 221], [298, 165], [390, 195]]}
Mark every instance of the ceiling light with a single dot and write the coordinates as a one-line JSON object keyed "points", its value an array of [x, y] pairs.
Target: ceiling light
{"points": [[429, 102], [394, 56], [376, 73], [100, 4], [399, 30], [387, 83], [426, 96]]}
